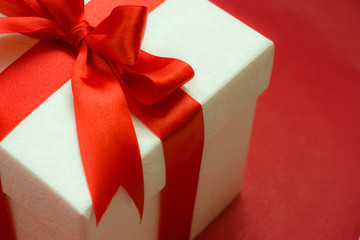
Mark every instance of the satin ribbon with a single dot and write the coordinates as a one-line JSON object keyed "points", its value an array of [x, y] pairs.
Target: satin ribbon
{"points": [[110, 76]]}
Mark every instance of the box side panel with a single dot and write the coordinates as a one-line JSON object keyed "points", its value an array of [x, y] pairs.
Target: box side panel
{"points": [[242, 90], [28, 227], [222, 169], [42, 204]]}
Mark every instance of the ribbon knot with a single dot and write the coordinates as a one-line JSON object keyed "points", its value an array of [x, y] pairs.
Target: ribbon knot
{"points": [[77, 34]]}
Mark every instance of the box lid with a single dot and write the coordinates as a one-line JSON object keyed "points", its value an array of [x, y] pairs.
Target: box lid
{"points": [[40, 162]]}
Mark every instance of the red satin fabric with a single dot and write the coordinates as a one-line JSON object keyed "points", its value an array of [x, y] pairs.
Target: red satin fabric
{"points": [[146, 81], [104, 128], [107, 54]]}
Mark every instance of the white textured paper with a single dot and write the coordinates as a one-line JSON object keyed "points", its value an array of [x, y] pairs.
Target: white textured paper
{"points": [[40, 164]]}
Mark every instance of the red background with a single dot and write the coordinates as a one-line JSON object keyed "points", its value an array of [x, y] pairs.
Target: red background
{"points": [[302, 179]]}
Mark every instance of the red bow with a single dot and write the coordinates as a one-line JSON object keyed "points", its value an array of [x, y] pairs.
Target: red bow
{"points": [[108, 54], [112, 75]]}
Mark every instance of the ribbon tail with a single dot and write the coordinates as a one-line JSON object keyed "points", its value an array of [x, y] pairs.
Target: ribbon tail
{"points": [[104, 128], [178, 122]]}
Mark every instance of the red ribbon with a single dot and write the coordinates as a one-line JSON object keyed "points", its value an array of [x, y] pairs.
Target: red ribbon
{"points": [[110, 76]]}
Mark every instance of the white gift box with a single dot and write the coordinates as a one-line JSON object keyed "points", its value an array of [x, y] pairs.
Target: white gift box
{"points": [[40, 165]]}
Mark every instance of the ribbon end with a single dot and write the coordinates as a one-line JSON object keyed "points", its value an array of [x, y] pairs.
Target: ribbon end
{"points": [[141, 217], [137, 194], [141, 213], [138, 200], [139, 204]]}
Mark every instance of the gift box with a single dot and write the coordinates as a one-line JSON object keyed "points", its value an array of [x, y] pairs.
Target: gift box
{"points": [[40, 163]]}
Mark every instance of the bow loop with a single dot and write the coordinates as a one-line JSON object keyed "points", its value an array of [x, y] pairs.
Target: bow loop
{"points": [[16, 8], [153, 78], [67, 13], [119, 36]]}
